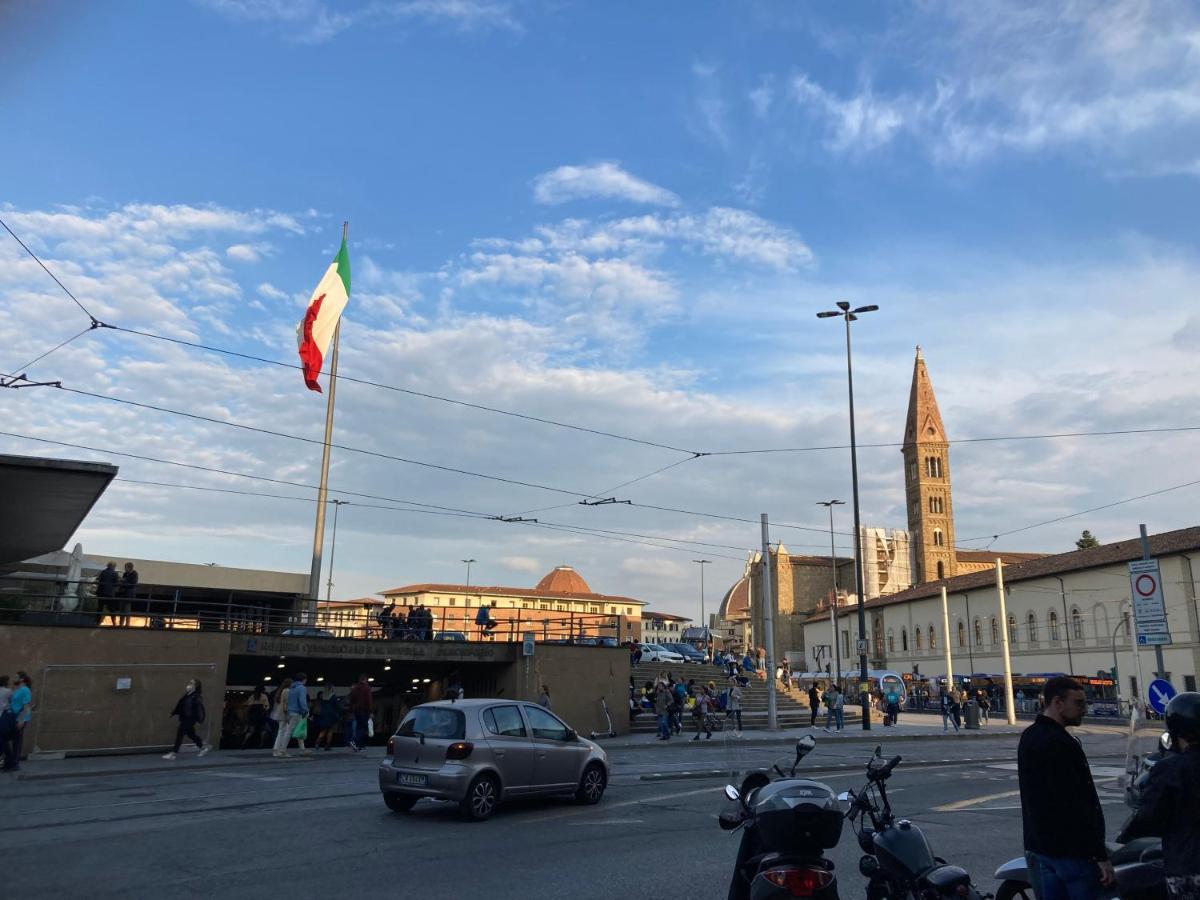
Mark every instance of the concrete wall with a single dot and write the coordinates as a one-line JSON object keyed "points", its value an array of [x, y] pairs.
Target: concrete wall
{"points": [[577, 677], [77, 706]]}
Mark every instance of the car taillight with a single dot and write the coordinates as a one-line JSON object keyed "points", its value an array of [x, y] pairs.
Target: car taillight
{"points": [[799, 882], [459, 750]]}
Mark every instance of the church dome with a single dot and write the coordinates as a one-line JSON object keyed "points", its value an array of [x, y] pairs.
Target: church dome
{"points": [[564, 579], [735, 604]]}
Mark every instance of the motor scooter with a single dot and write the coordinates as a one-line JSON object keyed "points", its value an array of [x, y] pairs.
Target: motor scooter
{"points": [[786, 824]]}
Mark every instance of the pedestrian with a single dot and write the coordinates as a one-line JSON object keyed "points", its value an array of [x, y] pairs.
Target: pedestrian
{"points": [[761, 668], [893, 706], [327, 719], [8, 721], [957, 699], [700, 712], [384, 618], [814, 704], [426, 618], [128, 589], [835, 704], [544, 697], [733, 706], [680, 694], [985, 707], [662, 704], [257, 707], [483, 620], [361, 706], [948, 718], [1169, 801], [190, 710], [14, 720], [107, 583], [1060, 810], [295, 703]]}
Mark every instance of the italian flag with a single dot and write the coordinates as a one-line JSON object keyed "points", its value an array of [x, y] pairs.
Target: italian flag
{"points": [[315, 331]]}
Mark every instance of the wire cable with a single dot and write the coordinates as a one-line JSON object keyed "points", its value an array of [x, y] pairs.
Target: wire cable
{"points": [[46, 269], [20, 370]]}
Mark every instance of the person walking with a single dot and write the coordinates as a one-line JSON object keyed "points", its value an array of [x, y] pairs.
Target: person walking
{"points": [[190, 710], [948, 712], [9, 746], [836, 706], [327, 720], [733, 706], [814, 704], [544, 697], [128, 589], [1063, 822], [1167, 808], [257, 707], [893, 706], [700, 712], [291, 710], [361, 707], [985, 706], [106, 594], [662, 705]]}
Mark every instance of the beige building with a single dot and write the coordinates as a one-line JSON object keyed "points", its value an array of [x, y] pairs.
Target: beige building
{"points": [[663, 628], [561, 606], [1066, 613]]}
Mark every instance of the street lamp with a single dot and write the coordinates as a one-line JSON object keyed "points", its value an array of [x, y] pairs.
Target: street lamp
{"points": [[468, 562], [703, 623], [332, 550], [849, 315], [837, 650]]}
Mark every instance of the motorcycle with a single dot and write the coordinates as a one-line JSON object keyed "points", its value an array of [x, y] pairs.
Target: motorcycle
{"points": [[1137, 864], [786, 826], [898, 861]]}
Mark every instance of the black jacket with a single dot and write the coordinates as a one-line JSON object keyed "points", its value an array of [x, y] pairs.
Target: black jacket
{"points": [[190, 707], [1059, 807], [1170, 809], [106, 582]]}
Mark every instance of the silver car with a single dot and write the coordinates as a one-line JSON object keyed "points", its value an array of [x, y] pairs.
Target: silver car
{"points": [[478, 752]]}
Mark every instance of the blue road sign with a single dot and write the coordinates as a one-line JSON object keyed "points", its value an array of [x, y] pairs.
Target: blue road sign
{"points": [[1161, 693]]}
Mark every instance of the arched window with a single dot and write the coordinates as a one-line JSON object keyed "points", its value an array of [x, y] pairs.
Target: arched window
{"points": [[978, 633], [938, 538], [1012, 629], [962, 635], [995, 632], [1076, 624], [941, 568], [891, 641], [904, 639], [932, 639], [936, 505], [933, 467], [1100, 619], [1053, 620], [1031, 622], [917, 639]]}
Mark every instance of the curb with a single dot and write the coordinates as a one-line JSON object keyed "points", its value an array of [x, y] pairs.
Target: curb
{"points": [[874, 738], [185, 767], [813, 770]]}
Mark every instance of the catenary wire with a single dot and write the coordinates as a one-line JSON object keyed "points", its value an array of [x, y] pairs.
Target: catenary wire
{"points": [[21, 369], [46, 269]]}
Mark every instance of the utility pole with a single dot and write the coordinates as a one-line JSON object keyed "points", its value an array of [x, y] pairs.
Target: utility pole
{"points": [[703, 621], [769, 627], [837, 650], [333, 550], [1158, 654], [1009, 702], [950, 686]]}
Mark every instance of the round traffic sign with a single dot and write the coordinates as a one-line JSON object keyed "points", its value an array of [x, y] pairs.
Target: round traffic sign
{"points": [[1145, 584], [1161, 692]]}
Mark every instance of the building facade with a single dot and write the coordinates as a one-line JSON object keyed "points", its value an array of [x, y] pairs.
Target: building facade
{"points": [[663, 628]]}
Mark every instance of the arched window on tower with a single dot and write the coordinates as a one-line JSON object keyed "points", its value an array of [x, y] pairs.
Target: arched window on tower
{"points": [[936, 506], [941, 570], [933, 467], [962, 635], [904, 639], [939, 539]]}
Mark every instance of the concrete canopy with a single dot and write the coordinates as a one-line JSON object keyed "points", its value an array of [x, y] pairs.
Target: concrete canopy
{"points": [[45, 500]]}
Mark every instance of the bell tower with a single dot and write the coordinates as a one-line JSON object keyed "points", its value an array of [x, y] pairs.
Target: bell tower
{"points": [[927, 482]]}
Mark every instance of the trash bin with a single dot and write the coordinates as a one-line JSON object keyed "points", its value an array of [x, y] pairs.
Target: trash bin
{"points": [[971, 720]]}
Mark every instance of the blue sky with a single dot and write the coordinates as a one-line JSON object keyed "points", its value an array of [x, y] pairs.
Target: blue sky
{"points": [[623, 217]]}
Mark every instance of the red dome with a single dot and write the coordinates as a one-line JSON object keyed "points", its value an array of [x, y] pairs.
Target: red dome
{"points": [[564, 579]]}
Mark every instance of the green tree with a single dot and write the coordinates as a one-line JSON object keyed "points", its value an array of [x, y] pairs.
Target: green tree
{"points": [[1087, 541]]}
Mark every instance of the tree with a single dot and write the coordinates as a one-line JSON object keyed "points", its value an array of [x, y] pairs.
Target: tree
{"points": [[1087, 541]]}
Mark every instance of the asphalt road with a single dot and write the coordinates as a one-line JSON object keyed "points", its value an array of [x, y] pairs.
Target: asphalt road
{"points": [[317, 827]]}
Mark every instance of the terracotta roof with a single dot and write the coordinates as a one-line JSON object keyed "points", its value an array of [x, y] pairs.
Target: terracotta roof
{"points": [[989, 556], [1165, 544], [361, 601], [669, 617], [564, 578], [495, 591], [736, 602]]}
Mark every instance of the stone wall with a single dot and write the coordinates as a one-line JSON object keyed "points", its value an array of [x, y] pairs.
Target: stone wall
{"points": [[578, 677]]}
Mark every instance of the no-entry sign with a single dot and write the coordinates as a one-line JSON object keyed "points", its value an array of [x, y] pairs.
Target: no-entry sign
{"points": [[1148, 606]]}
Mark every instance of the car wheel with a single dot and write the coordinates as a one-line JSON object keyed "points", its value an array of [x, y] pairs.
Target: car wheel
{"points": [[592, 784], [399, 802], [482, 797]]}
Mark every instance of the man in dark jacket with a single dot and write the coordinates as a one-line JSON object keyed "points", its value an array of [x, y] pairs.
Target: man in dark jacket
{"points": [[361, 706], [1171, 798], [129, 583], [1063, 821], [106, 593]]}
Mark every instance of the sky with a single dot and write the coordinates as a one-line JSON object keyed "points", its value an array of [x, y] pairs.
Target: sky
{"points": [[618, 217]]}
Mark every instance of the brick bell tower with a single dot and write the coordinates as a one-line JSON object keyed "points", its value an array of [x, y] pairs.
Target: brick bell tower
{"points": [[927, 482]]}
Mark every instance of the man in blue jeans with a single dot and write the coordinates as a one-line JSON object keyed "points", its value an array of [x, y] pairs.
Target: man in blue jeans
{"points": [[836, 704], [662, 706], [1060, 810]]}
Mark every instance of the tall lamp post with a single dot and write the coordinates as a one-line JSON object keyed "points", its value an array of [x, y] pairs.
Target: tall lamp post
{"points": [[703, 622], [837, 650], [849, 315], [333, 550]]}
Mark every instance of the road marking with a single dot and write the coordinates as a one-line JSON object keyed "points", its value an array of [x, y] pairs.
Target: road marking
{"points": [[609, 822], [973, 801], [242, 775]]}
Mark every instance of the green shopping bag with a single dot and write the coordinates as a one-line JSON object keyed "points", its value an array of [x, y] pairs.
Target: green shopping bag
{"points": [[300, 732]]}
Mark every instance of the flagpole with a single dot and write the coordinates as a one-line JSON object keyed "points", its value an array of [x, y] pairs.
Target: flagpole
{"points": [[314, 578]]}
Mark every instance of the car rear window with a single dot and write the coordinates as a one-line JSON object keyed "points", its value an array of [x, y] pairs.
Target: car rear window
{"points": [[435, 722]]}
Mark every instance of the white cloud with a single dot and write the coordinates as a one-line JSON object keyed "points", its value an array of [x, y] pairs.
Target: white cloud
{"points": [[521, 564], [710, 111], [605, 180], [653, 566], [248, 253], [858, 124], [268, 290]]}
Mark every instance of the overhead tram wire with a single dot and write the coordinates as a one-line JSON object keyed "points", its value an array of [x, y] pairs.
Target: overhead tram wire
{"points": [[87, 312], [1082, 512], [18, 371]]}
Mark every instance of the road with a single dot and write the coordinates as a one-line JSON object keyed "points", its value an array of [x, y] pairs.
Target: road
{"points": [[309, 827]]}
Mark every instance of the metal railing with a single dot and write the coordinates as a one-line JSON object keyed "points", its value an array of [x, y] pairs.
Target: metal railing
{"points": [[71, 608]]}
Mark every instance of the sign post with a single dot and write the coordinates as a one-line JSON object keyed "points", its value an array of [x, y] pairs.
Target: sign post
{"points": [[1149, 610]]}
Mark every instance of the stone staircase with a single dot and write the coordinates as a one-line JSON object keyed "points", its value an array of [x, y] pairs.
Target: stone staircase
{"points": [[791, 707]]}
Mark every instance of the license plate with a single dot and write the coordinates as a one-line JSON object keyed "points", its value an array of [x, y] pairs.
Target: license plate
{"points": [[406, 778]]}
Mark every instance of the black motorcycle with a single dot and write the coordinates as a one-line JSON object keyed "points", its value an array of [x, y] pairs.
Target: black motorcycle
{"points": [[787, 824], [898, 863]]}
